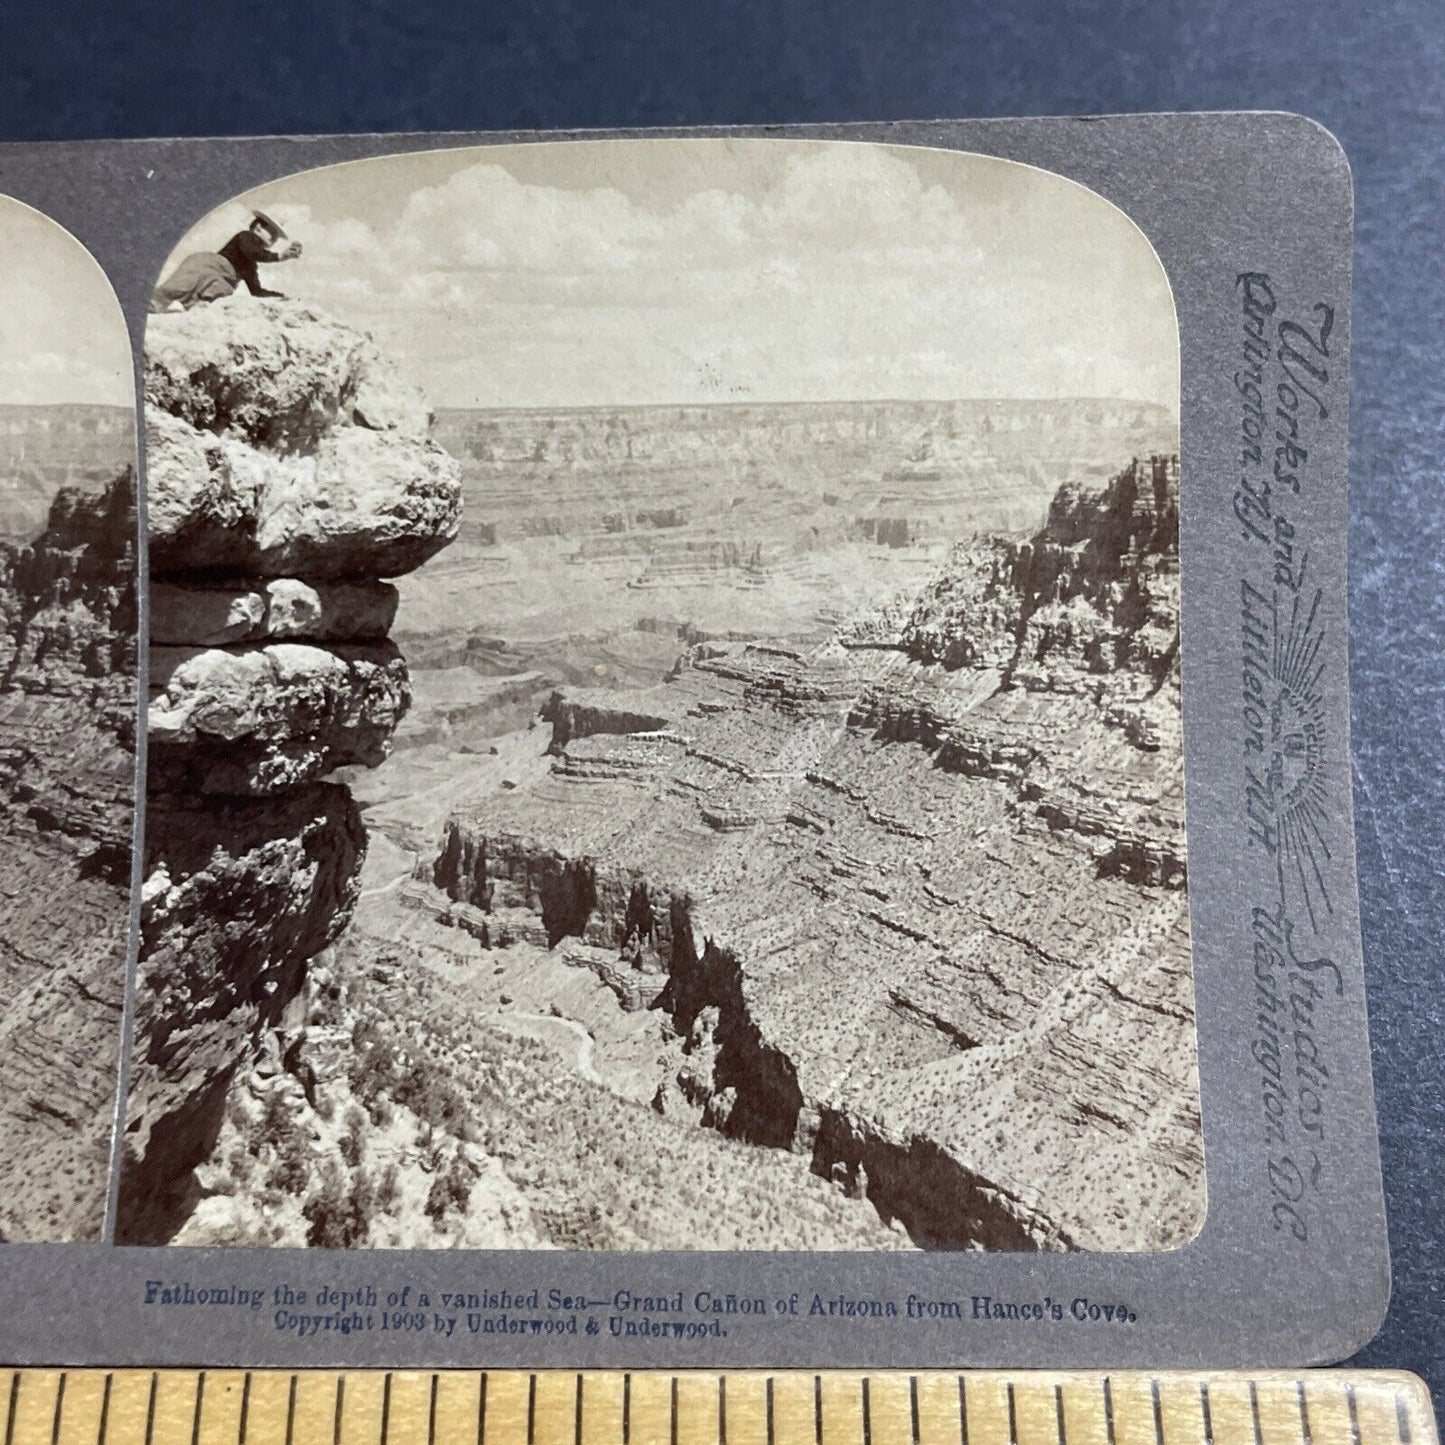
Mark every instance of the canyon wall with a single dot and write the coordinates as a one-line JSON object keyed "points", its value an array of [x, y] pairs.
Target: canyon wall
{"points": [[743, 431], [914, 897], [1086, 610], [290, 473], [62, 444], [695, 492], [67, 807]]}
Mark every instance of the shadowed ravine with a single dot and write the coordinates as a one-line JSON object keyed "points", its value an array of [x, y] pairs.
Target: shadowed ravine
{"points": [[939, 1203], [912, 897]]}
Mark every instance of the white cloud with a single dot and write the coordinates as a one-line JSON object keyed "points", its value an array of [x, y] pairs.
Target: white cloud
{"points": [[62, 335], [834, 270]]}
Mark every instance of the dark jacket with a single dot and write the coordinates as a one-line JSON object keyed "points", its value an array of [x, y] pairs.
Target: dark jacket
{"points": [[243, 251]]}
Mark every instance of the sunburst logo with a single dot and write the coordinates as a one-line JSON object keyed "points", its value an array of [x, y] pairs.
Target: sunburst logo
{"points": [[1297, 773]]}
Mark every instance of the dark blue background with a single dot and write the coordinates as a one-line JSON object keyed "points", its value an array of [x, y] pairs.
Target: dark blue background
{"points": [[1373, 71]]}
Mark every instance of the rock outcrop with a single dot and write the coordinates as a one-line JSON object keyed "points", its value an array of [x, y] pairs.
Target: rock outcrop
{"points": [[1083, 618], [1094, 594], [917, 894], [67, 806], [281, 445], [260, 720], [289, 472]]}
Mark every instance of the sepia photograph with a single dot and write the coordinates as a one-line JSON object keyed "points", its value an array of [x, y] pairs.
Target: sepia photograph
{"points": [[68, 704], [664, 726]]}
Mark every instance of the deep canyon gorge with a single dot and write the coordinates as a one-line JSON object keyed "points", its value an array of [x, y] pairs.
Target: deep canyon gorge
{"points": [[738, 826]]}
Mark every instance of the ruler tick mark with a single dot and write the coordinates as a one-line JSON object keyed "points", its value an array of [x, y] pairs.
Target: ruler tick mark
{"points": [[431, 1413], [531, 1408], [245, 1408], [1402, 1420], [482, 1411], [818, 1409], [722, 1410], [1254, 1413], [627, 1408], [1059, 1412], [151, 1408], [770, 1411], [1304, 1413], [1158, 1410], [196, 1414], [340, 1408], [1207, 1412], [59, 1409], [912, 1407], [104, 1412], [291, 1411], [1109, 1410], [10, 1416], [867, 1414], [672, 1413], [577, 1428], [1013, 1418], [1354, 1414], [385, 1406], [962, 1411]]}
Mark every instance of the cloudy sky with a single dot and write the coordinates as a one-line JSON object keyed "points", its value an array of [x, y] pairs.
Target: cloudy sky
{"points": [[621, 272], [62, 336]]}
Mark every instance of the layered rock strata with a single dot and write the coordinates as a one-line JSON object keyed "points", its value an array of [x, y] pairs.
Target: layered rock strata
{"points": [[289, 472], [67, 805], [914, 898], [662, 485], [61, 444]]}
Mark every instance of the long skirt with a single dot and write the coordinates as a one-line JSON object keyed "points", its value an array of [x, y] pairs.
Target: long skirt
{"points": [[204, 276]]}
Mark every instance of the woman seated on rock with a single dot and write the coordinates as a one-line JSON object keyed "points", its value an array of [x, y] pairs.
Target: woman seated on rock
{"points": [[209, 275]]}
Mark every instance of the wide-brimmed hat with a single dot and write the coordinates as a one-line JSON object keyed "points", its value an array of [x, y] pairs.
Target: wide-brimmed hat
{"points": [[277, 234]]}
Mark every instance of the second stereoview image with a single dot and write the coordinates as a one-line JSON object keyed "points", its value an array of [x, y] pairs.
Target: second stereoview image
{"points": [[68, 704], [665, 711]]}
